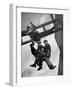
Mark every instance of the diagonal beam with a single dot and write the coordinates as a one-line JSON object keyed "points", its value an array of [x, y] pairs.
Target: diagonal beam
{"points": [[24, 33], [46, 33]]}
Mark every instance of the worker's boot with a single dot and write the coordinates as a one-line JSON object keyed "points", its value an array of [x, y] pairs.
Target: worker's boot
{"points": [[39, 68], [51, 67], [33, 65]]}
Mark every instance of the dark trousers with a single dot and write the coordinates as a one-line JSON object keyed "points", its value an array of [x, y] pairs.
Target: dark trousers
{"points": [[38, 61]]}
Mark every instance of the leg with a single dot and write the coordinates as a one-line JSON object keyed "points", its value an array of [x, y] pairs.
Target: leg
{"points": [[49, 63], [34, 64], [39, 64]]}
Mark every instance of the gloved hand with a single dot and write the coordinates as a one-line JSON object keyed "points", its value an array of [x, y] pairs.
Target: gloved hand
{"points": [[32, 44]]}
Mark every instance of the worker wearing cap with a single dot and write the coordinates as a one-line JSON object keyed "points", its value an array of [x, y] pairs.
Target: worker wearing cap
{"points": [[47, 55], [37, 53]]}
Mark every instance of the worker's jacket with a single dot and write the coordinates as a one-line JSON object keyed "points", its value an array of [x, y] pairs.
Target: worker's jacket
{"points": [[36, 52], [47, 50], [42, 51]]}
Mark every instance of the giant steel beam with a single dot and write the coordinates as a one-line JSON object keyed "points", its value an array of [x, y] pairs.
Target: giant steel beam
{"points": [[28, 41], [24, 33], [44, 34], [47, 23]]}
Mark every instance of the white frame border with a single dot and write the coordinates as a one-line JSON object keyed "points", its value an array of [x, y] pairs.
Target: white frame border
{"points": [[14, 75]]}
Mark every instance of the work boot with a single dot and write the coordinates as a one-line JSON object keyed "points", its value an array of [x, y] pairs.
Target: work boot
{"points": [[33, 65], [51, 67], [39, 68]]}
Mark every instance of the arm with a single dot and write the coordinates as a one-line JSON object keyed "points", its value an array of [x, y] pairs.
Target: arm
{"points": [[49, 51], [33, 50]]}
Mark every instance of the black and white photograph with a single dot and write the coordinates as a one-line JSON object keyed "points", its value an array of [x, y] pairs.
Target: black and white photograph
{"points": [[41, 44], [36, 47]]}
